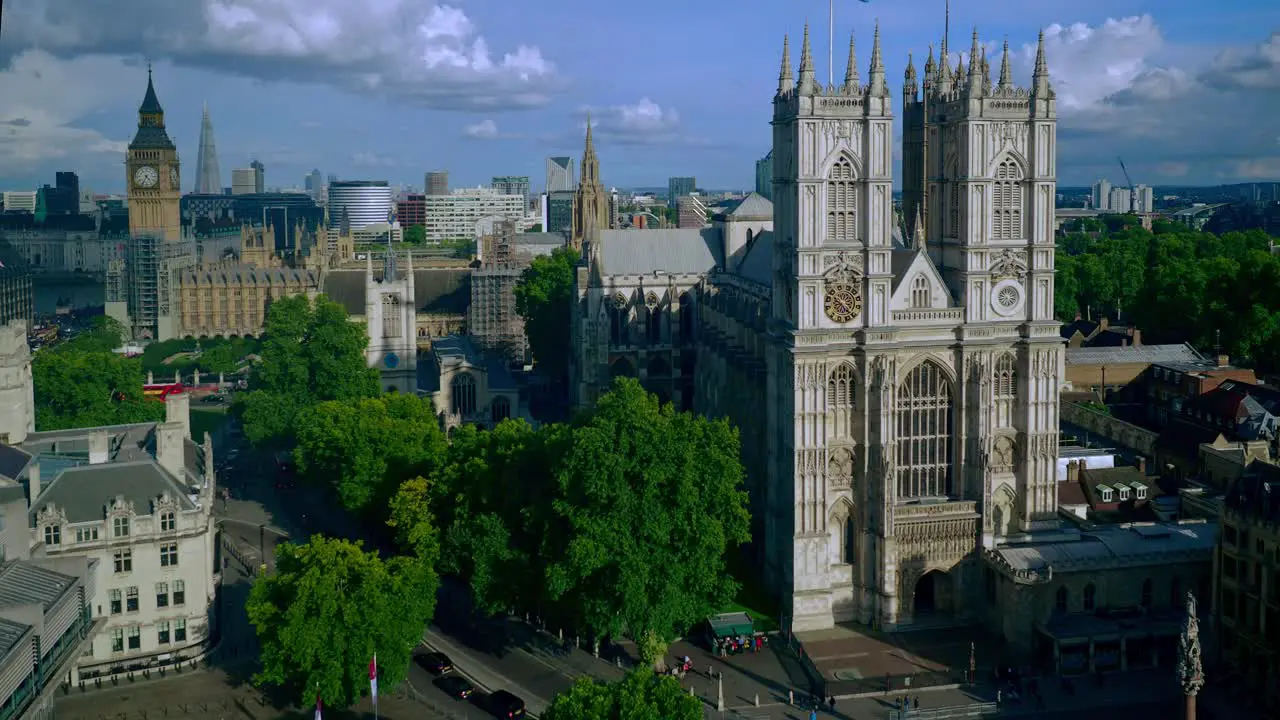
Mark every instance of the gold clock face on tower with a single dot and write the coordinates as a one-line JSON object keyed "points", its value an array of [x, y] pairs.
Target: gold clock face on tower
{"points": [[173, 178], [146, 176], [842, 301]]}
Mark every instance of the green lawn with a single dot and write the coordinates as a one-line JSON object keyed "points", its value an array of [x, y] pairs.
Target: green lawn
{"points": [[206, 419], [752, 597]]}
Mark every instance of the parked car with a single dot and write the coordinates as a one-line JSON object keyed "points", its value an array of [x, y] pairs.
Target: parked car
{"points": [[215, 398], [455, 686], [505, 705], [435, 663]]}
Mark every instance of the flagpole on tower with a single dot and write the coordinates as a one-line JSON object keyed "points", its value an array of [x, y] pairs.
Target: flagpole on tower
{"points": [[831, 42]]}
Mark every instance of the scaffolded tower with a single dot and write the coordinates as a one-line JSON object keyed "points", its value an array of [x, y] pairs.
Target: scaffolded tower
{"points": [[208, 176], [493, 321]]}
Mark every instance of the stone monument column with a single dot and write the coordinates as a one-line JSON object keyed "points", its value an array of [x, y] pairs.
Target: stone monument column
{"points": [[1190, 671]]}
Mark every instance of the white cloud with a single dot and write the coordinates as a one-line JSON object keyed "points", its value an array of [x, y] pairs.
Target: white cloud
{"points": [[372, 160], [484, 130], [38, 126], [644, 123], [1171, 122], [428, 52]]}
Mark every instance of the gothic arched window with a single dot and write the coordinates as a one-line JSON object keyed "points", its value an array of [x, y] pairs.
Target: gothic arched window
{"points": [[841, 394], [686, 318], [1006, 216], [849, 551], [654, 322], [842, 203], [953, 209], [1006, 390], [462, 391], [617, 326], [920, 292], [500, 409], [924, 433], [390, 316]]}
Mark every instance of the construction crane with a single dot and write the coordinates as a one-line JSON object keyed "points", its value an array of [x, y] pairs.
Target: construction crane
{"points": [[1133, 197]]}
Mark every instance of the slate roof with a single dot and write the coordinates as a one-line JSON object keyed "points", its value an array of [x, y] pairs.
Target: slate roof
{"points": [[82, 492], [1113, 544], [1133, 354], [1185, 437], [10, 633], [672, 251], [23, 583], [435, 290], [13, 461], [757, 262]]}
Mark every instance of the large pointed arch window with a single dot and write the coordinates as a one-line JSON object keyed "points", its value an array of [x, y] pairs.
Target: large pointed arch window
{"points": [[1006, 217], [921, 291], [842, 203], [841, 394], [1006, 390], [390, 316], [924, 433]]}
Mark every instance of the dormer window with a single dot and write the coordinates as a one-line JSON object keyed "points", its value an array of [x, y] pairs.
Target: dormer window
{"points": [[1105, 493], [52, 534], [168, 521], [1124, 493], [1140, 491], [120, 527]]}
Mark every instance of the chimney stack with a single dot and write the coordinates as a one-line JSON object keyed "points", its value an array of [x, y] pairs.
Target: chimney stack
{"points": [[1223, 360], [1141, 464], [1136, 334], [33, 480], [1073, 471], [177, 409], [99, 447]]}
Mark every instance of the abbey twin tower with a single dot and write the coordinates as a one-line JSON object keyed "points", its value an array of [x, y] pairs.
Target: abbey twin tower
{"points": [[894, 375]]}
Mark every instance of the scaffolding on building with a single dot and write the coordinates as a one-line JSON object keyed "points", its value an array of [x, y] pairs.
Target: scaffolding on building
{"points": [[148, 280], [493, 322]]}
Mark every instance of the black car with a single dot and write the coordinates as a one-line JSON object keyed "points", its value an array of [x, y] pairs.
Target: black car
{"points": [[434, 662], [505, 705], [455, 686]]}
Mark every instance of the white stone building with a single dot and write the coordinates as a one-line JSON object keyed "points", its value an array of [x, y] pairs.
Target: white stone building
{"points": [[896, 383], [470, 213], [392, 319]]}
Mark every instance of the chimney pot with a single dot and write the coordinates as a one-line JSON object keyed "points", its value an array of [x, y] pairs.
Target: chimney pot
{"points": [[1223, 360]]}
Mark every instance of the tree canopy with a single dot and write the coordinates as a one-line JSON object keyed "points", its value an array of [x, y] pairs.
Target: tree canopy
{"points": [[618, 522], [1176, 285], [311, 352], [82, 383], [365, 447], [328, 608], [544, 299], [641, 695], [415, 234]]}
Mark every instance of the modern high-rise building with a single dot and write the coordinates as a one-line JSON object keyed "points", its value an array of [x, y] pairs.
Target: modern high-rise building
{"points": [[511, 185], [1120, 200], [244, 181], [436, 182], [20, 200], [764, 176], [361, 202], [678, 187], [559, 174], [259, 176], [557, 211], [314, 182], [691, 213], [1144, 199], [208, 175], [412, 210], [468, 214], [1101, 197]]}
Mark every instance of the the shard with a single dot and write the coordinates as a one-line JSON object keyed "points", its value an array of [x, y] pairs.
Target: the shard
{"points": [[208, 177]]}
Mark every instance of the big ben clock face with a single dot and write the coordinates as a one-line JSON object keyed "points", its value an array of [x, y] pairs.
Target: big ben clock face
{"points": [[173, 178], [146, 176]]}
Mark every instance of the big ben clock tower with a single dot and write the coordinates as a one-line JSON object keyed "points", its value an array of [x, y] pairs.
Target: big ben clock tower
{"points": [[153, 174]]}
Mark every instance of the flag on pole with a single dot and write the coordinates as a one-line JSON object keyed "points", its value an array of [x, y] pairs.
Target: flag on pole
{"points": [[373, 678], [319, 705]]}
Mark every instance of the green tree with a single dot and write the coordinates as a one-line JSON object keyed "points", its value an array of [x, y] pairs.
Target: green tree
{"points": [[77, 388], [545, 299], [220, 359], [648, 503], [104, 334], [415, 234], [367, 446], [328, 608], [641, 695], [311, 352]]}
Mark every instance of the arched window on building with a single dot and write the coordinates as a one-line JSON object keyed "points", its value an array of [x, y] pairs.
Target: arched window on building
{"points": [[849, 549], [500, 409], [617, 325], [1090, 597], [842, 203], [462, 391], [924, 433], [390, 316], [841, 395], [654, 323], [921, 292], [1006, 202], [1006, 390]]}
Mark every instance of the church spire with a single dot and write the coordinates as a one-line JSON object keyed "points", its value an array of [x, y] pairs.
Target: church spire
{"points": [[786, 80], [909, 83], [150, 103], [876, 85], [976, 84], [1040, 78], [851, 79], [944, 69], [1006, 75], [590, 173], [918, 238], [808, 81]]}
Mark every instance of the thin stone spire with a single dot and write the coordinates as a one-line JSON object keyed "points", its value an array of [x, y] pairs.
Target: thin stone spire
{"points": [[930, 67], [986, 72], [786, 80], [918, 238], [1006, 74], [975, 81], [961, 73], [851, 79], [808, 80], [1040, 78], [944, 69], [208, 174], [876, 84], [909, 83]]}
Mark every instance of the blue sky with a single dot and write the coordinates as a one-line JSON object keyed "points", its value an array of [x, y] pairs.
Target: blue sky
{"points": [[387, 89]]}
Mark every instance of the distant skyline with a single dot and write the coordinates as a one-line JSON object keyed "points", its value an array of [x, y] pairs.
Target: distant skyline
{"points": [[391, 89]]}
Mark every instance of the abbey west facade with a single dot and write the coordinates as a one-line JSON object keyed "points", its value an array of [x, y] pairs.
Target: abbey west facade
{"points": [[895, 378]]}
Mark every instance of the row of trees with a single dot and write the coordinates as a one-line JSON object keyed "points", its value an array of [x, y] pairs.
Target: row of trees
{"points": [[82, 383], [1177, 285]]}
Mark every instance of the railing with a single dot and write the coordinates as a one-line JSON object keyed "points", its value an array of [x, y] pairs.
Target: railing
{"points": [[924, 315], [957, 711]]}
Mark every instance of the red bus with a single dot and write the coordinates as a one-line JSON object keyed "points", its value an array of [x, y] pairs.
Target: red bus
{"points": [[162, 391]]}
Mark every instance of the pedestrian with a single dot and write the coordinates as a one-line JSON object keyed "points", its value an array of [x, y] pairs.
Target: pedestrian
{"points": [[813, 715], [831, 701], [999, 696], [917, 702], [791, 697]]}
